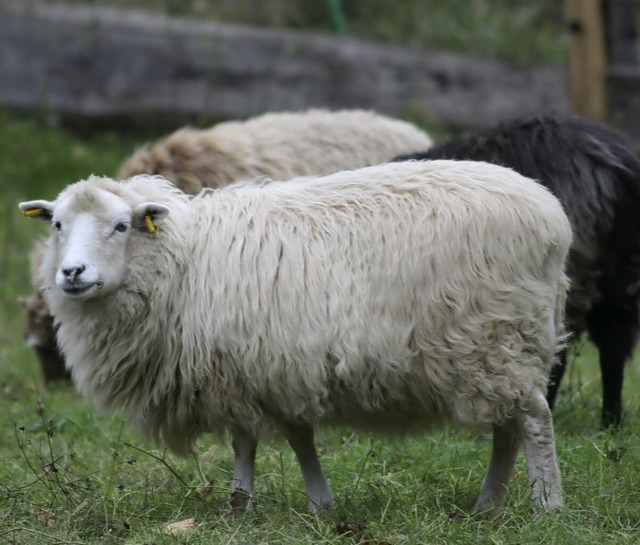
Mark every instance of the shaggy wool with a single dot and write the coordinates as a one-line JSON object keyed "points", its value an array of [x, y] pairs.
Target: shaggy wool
{"points": [[596, 177], [389, 297], [277, 145]]}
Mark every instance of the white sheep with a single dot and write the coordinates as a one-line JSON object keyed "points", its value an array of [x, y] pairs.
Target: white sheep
{"points": [[391, 298], [278, 145]]}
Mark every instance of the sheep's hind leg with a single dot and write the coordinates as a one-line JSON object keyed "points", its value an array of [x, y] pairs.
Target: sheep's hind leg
{"points": [[244, 448], [506, 441], [536, 427], [300, 437]]}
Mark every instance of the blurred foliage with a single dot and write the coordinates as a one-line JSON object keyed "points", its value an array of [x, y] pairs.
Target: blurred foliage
{"points": [[514, 30]]}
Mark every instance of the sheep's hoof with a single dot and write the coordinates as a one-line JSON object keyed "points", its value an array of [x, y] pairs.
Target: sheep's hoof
{"points": [[551, 505], [488, 507], [487, 501], [240, 502], [322, 507]]}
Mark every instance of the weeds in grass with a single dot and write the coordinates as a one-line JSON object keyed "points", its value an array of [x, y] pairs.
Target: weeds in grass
{"points": [[61, 490]]}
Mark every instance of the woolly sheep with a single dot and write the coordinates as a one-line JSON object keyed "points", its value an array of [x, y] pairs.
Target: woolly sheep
{"points": [[391, 298], [39, 333], [278, 145], [597, 179]]}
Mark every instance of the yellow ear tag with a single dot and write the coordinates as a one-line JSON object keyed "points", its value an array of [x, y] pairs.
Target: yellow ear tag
{"points": [[33, 212], [149, 222]]}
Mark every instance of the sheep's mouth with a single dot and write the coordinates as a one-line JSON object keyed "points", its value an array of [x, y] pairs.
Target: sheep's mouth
{"points": [[74, 290]]}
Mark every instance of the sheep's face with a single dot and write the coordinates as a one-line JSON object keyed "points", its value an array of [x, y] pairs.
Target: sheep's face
{"points": [[91, 229]]}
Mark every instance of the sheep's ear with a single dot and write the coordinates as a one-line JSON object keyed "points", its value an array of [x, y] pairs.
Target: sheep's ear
{"points": [[38, 210], [148, 215]]}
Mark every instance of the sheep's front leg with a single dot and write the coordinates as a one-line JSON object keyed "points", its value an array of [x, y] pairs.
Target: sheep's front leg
{"points": [[538, 440], [244, 448], [506, 441], [300, 438]]}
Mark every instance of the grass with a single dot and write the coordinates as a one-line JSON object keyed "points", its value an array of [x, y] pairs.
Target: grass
{"points": [[71, 476]]}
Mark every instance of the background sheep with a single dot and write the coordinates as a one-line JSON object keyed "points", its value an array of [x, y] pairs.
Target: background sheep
{"points": [[278, 145], [597, 179], [39, 333], [390, 298]]}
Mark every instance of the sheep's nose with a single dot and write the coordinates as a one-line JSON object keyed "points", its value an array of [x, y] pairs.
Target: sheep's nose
{"points": [[70, 273]]}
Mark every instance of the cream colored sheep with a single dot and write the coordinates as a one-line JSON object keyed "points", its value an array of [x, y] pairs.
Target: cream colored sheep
{"points": [[390, 298], [279, 145]]}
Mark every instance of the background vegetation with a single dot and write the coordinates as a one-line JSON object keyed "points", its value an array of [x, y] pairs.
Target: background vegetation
{"points": [[71, 476], [509, 29]]}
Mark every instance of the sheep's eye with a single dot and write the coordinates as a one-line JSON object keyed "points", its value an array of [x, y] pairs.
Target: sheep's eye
{"points": [[57, 225], [121, 227]]}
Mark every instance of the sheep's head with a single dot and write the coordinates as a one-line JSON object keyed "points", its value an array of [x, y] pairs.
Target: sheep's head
{"points": [[91, 227]]}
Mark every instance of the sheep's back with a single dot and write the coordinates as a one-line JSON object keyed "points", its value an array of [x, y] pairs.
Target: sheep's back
{"points": [[280, 146], [392, 296], [367, 293], [596, 178]]}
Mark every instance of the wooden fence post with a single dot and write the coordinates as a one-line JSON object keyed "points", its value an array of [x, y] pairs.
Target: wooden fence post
{"points": [[587, 58]]}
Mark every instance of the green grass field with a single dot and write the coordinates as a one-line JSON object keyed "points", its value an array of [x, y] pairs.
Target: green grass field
{"points": [[71, 476]]}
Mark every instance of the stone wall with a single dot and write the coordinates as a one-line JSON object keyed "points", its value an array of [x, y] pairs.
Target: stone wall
{"points": [[95, 62]]}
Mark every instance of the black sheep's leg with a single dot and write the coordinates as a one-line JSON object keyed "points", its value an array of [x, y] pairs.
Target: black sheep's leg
{"points": [[613, 330], [612, 360], [557, 372]]}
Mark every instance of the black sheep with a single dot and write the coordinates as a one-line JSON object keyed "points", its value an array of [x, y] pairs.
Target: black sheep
{"points": [[597, 179]]}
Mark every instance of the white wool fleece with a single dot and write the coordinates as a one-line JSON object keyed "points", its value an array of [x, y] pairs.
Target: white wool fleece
{"points": [[388, 297]]}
